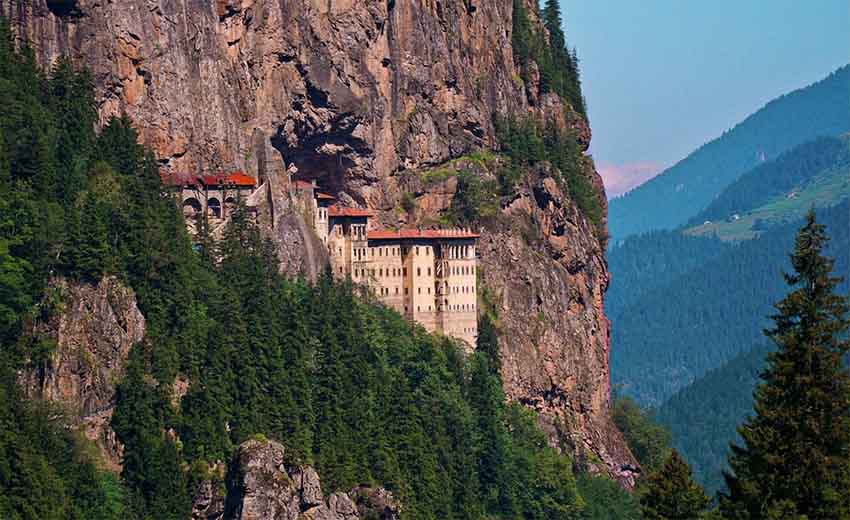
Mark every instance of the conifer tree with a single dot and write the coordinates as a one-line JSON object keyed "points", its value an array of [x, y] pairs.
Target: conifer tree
{"points": [[488, 343], [795, 458], [671, 493]]}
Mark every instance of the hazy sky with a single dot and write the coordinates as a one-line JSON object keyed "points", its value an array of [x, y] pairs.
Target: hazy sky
{"points": [[662, 77]]}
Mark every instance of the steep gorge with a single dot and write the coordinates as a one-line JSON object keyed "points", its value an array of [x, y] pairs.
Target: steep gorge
{"points": [[361, 95]]}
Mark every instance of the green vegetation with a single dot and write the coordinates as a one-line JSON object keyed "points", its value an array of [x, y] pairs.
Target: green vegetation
{"points": [[344, 383], [826, 189], [556, 63], [671, 494], [703, 416], [794, 457], [648, 441], [778, 178], [606, 500], [671, 324], [408, 202], [682, 191], [526, 143]]}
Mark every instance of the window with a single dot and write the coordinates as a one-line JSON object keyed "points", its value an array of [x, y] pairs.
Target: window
{"points": [[417, 250], [405, 291], [404, 271], [429, 271], [396, 290], [418, 308], [380, 272], [429, 290], [419, 290], [418, 271]]}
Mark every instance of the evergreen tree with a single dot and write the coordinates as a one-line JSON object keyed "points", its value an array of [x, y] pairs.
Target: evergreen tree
{"points": [[795, 458], [671, 493], [488, 343]]}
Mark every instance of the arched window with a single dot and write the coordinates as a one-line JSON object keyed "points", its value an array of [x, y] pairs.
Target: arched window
{"points": [[214, 208], [191, 207]]}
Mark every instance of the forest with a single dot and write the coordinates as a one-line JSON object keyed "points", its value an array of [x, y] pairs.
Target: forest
{"points": [[702, 416], [657, 345]]}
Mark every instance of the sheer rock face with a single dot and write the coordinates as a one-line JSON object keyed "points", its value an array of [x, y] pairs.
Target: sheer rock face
{"points": [[93, 329], [345, 90], [546, 274], [264, 487], [360, 94]]}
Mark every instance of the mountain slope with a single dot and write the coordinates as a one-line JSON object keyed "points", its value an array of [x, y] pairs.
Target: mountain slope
{"points": [[680, 192], [814, 174], [677, 330], [703, 416], [792, 169]]}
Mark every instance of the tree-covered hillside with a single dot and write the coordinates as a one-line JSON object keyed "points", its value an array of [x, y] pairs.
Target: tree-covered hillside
{"points": [[672, 329], [702, 417], [680, 192], [779, 178]]}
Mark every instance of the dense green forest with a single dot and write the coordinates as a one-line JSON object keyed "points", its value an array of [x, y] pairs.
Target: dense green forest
{"points": [[702, 416], [672, 330], [680, 192], [344, 383], [792, 169]]}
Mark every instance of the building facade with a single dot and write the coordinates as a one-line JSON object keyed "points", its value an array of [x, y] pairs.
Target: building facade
{"points": [[214, 196], [427, 276]]}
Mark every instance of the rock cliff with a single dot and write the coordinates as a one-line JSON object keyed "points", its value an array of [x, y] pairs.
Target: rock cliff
{"points": [[89, 330], [262, 486], [364, 95]]}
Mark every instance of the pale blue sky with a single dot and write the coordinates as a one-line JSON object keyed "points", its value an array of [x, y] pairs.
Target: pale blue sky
{"points": [[661, 77]]}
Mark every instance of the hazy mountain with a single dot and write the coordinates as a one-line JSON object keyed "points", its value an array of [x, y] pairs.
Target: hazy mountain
{"points": [[682, 191]]}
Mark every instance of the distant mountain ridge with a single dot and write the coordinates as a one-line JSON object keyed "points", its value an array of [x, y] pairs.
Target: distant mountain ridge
{"points": [[788, 171], [680, 192], [813, 174]]}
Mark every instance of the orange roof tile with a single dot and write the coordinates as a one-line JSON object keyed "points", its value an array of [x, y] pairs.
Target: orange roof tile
{"points": [[335, 211], [235, 178], [324, 196], [240, 179], [389, 234]]}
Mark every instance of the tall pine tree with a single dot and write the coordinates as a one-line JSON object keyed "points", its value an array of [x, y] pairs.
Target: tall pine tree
{"points": [[671, 493], [795, 459]]}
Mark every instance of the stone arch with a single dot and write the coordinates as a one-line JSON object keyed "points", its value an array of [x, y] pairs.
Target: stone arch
{"points": [[213, 207], [191, 207]]}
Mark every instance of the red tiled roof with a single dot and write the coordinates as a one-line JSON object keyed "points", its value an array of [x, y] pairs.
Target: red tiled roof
{"points": [[335, 211], [324, 196], [240, 179], [235, 178], [389, 234], [303, 185]]}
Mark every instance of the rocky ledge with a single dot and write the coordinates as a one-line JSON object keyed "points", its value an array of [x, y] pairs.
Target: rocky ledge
{"points": [[262, 486]]}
